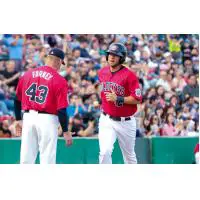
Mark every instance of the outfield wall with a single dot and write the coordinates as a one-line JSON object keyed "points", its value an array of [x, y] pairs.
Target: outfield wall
{"points": [[159, 150]]}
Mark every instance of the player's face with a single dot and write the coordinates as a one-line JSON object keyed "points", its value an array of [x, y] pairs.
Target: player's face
{"points": [[113, 60]]}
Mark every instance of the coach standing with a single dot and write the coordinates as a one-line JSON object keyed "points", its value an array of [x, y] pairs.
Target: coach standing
{"points": [[120, 94], [42, 94]]}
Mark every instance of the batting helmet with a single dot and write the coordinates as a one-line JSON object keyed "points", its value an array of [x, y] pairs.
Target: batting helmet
{"points": [[117, 49]]}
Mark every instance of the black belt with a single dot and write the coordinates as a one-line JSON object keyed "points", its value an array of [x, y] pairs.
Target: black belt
{"points": [[43, 112], [117, 118]]}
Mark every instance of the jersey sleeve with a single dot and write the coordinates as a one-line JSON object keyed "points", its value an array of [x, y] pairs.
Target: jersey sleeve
{"points": [[62, 95], [19, 89], [134, 87]]}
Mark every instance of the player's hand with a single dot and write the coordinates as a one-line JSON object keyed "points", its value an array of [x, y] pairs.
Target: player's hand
{"points": [[18, 128], [68, 138], [111, 96]]}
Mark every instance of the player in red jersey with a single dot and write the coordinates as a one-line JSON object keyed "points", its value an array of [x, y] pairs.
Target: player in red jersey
{"points": [[196, 153], [120, 94], [42, 95]]}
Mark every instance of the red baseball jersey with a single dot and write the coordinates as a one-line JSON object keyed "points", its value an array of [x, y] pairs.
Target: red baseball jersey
{"points": [[42, 89], [196, 149], [125, 83]]}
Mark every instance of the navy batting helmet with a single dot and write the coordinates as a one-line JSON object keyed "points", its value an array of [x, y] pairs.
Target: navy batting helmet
{"points": [[117, 49]]}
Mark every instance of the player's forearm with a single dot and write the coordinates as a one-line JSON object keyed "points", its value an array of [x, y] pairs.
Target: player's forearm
{"points": [[17, 109], [63, 119], [120, 100], [130, 100]]}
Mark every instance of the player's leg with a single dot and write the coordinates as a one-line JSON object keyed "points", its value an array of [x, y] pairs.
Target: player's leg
{"points": [[197, 158], [126, 134], [29, 141], [107, 138], [47, 136]]}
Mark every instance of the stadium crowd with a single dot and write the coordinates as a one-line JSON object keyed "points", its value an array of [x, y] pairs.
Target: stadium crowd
{"points": [[167, 67]]}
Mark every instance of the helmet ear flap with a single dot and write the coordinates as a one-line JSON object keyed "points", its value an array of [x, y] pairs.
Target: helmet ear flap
{"points": [[121, 60], [106, 56]]}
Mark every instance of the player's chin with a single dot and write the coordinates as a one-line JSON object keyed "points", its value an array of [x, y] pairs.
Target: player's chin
{"points": [[112, 64]]}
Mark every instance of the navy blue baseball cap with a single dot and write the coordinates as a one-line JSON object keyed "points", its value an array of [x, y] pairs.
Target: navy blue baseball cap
{"points": [[58, 53]]}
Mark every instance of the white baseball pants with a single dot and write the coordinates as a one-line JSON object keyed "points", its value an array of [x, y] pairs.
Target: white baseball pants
{"points": [[124, 131], [39, 133]]}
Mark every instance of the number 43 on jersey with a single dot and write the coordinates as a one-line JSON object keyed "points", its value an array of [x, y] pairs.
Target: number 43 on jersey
{"points": [[32, 90]]}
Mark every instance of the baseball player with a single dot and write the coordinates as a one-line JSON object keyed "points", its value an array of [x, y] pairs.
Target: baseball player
{"points": [[42, 94], [120, 94]]}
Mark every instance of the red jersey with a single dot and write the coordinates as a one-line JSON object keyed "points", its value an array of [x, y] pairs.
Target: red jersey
{"points": [[196, 149], [42, 89], [125, 83]]}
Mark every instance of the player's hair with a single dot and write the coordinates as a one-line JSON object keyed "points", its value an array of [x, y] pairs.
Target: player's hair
{"points": [[53, 60]]}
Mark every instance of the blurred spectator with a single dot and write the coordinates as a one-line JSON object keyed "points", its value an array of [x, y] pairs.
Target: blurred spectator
{"points": [[83, 49], [175, 46], [186, 50], [178, 82], [145, 129], [10, 75], [169, 128], [154, 126], [160, 113], [4, 129], [174, 102], [192, 89], [163, 81], [79, 129], [75, 106], [160, 91], [15, 49]]}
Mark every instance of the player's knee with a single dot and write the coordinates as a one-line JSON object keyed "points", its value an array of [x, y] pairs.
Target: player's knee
{"points": [[107, 152], [105, 157]]}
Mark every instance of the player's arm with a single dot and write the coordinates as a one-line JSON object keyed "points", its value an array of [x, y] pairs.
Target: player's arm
{"points": [[18, 107], [63, 119], [111, 96], [131, 100], [18, 99], [62, 104], [134, 90]]}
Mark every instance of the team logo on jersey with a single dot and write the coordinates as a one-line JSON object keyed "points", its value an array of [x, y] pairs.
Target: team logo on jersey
{"points": [[138, 92], [107, 86]]}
